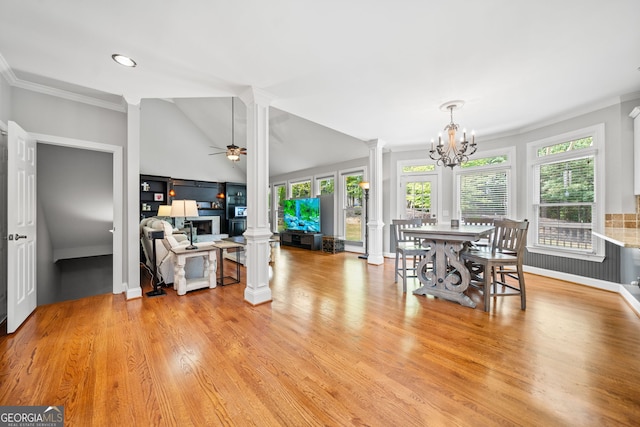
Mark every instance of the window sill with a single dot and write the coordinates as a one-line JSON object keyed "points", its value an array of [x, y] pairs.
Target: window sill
{"points": [[566, 254]]}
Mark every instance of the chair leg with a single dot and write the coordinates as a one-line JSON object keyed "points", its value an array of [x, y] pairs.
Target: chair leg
{"points": [[523, 295], [404, 273], [488, 275], [396, 271]]}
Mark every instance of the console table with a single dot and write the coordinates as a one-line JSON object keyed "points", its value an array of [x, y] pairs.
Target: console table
{"points": [[180, 255], [223, 246]]}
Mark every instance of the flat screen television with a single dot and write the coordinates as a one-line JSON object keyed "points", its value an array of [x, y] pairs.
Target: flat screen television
{"points": [[302, 215]]}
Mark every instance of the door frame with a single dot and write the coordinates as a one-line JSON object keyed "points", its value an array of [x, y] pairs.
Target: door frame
{"points": [[401, 177], [118, 201]]}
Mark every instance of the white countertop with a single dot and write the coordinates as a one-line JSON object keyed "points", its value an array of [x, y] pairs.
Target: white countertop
{"points": [[625, 237]]}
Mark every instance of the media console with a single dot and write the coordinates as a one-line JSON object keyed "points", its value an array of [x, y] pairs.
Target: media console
{"points": [[312, 241]]}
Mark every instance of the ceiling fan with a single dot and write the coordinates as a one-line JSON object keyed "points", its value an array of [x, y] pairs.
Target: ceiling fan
{"points": [[232, 151]]}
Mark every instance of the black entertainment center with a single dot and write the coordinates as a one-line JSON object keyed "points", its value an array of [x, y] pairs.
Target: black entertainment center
{"points": [[300, 239]]}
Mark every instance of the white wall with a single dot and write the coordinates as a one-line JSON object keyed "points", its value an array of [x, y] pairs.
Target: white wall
{"points": [[171, 145]]}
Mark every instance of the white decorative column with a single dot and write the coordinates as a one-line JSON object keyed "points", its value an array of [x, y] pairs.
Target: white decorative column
{"points": [[375, 223], [132, 219], [258, 231]]}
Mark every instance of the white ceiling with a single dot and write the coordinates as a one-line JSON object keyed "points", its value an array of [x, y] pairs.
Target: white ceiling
{"points": [[367, 68]]}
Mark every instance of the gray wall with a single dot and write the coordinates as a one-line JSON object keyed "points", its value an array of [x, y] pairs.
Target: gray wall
{"points": [[75, 189], [50, 115], [619, 197]]}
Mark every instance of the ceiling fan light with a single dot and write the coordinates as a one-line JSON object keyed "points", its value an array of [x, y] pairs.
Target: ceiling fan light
{"points": [[233, 157]]}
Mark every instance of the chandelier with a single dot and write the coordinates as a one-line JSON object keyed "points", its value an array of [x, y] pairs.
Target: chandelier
{"points": [[452, 154]]}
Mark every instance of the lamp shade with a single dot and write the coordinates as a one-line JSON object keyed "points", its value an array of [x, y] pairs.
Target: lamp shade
{"points": [[364, 185], [164, 210], [184, 208]]}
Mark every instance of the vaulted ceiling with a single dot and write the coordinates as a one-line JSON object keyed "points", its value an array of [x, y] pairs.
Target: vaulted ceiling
{"points": [[367, 69]]}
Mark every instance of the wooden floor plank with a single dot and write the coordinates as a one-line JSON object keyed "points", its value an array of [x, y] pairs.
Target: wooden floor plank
{"points": [[340, 344]]}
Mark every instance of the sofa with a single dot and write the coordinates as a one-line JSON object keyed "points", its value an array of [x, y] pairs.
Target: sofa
{"points": [[194, 266]]}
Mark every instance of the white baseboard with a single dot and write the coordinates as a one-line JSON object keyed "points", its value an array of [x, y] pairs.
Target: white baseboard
{"points": [[587, 281], [135, 292]]}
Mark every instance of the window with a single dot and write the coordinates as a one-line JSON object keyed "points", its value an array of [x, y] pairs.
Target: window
{"points": [[418, 168], [326, 185], [484, 185], [280, 191], [565, 192], [417, 196], [353, 201], [301, 189]]}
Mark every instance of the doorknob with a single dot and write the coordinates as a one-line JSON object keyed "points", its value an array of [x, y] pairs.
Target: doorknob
{"points": [[18, 237]]}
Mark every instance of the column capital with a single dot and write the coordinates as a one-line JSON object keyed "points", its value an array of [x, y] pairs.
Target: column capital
{"points": [[375, 143], [253, 95]]}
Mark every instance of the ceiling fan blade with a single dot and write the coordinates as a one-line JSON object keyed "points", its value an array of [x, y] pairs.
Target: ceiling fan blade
{"points": [[215, 154]]}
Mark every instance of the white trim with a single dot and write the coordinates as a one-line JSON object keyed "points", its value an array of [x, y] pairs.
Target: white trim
{"points": [[134, 292], [293, 182], [509, 165], [118, 203], [316, 184], [587, 281], [274, 204], [437, 172], [47, 90], [341, 199], [597, 132]]}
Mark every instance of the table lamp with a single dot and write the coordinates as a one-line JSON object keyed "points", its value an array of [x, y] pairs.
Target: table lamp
{"points": [[184, 209]]}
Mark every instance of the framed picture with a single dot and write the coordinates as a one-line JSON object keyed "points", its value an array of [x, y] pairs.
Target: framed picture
{"points": [[158, 197]]}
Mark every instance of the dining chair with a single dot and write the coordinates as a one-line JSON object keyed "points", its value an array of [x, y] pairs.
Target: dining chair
{"points": [[502, 260], [407, 248], [476, 270]]}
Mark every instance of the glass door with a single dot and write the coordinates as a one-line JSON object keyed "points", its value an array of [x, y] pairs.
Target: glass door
{"points": [[352, 202], [418, 196]]}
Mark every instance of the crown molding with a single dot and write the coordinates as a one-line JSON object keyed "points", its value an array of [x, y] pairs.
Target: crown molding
{"points": [[10, 77], [6, 72], [47, 90]]}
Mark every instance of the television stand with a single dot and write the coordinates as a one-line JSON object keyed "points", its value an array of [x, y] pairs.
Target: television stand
{"points": [[312, 241]]}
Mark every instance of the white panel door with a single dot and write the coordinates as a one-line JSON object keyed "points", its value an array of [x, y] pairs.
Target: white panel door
{"points": [[21, 227]]}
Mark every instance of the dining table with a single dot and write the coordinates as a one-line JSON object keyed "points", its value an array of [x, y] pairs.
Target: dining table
{"points": [[441, 272]]}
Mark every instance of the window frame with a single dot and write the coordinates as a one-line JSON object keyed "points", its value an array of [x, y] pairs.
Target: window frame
{"points": [[597, 133], [274, 203], [509, 166], [299, 181], [401, 175], [342, 205]]}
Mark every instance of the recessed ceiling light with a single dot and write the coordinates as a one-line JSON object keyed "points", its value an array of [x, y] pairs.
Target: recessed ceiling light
{"points": [[123, 60]]}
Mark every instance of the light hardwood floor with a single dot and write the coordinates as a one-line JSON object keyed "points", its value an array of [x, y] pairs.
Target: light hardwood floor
{"points": [[339, 345]]}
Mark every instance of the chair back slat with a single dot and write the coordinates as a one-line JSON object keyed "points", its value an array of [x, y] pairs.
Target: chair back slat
{"points": [[398, 224], [479, 220], [510, 236]]}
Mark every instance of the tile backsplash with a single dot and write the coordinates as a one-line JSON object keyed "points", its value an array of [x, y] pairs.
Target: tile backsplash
{"points": [[624, 220]]}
